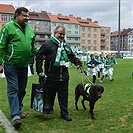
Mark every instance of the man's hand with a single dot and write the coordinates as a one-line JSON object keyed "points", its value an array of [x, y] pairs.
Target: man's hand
{"points": [[42, 75], [1, 69], [78, 66], [93, 65], [42, 78]]}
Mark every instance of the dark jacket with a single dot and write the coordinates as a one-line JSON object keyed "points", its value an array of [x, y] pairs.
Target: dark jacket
{"points": [[92, 63], [54, 73], [31, 61]]}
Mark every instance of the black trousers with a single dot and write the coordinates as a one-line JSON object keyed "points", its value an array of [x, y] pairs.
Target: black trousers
{"points": [[32, 68], [57, 87]]}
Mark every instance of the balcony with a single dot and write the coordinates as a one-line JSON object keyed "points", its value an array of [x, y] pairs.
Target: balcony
{"points": [[42, 33], [103, 38], [73, 41], [103, 45], [103, 33], [73, 35], [41, 39]]}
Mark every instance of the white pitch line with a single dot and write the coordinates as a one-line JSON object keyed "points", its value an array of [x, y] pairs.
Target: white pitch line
{"points": [[7, 125]]}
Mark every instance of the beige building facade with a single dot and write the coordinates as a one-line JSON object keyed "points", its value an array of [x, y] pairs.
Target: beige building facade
{"points": [[82, 32], [105, 38]]}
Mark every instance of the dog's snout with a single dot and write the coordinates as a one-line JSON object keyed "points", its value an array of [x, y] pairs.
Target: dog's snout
{"points": [[99, 96]]}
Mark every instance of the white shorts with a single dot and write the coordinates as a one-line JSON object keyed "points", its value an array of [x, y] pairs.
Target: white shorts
{"points": [[108, 72], [91, 71]]}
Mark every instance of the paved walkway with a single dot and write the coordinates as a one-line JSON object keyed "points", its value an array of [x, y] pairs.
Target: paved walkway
{"points": [[6, 124]]}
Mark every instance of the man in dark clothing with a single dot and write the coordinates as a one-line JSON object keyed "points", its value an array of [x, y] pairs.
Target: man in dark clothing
{"points": [[57, 56], [31, 63]]}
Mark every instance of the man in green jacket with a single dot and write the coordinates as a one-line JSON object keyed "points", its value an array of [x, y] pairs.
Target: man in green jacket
{"points": [[17, 42]]}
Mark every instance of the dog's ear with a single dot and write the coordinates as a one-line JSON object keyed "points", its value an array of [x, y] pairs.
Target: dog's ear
{"points": [[102, 89]]}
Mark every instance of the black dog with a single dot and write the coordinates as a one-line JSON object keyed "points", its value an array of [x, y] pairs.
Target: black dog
{"points": [[90, 93]]}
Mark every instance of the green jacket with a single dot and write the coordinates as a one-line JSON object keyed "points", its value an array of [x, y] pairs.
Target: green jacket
{"points": [[16, 44]]}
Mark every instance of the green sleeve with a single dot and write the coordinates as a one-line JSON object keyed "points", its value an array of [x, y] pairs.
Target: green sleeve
{"points": [[34, 49], [3, 42]]}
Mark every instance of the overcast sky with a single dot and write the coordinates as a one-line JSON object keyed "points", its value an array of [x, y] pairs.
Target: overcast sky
{"points": [[103, 11]]}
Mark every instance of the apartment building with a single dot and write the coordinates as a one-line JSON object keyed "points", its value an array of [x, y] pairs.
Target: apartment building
{"points": [[82, 32], [126, 40], [130, 42], [72, 27], [105, 38], [114, 41], [90, 34], [40, 22], [6, 13]]}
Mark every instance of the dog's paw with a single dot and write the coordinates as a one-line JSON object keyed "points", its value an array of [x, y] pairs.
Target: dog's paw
{"points": [[84, 108], [77, 108], [93, 118]]}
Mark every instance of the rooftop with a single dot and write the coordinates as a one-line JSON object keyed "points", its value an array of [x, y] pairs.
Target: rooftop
{"points": [[7, 8]]}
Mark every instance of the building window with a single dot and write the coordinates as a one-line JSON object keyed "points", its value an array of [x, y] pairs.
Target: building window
{"points": [[95, 42], [46, 23], [76, 39], [106, 48], [102, 31], [37, 22], [76, 26], [10, 17], [29, 22], [37, 29], [89, 41], [37, 36], [68, 32], [95, 29], [83, 28], [89, 47], [89, 28], [94, 48], [61, 24], [69, 26], [46, 36], [107, 37], [68, 38], [54, 24], [83, 34], [107, 31], [83, 41], [46, 29], [89, 35], [4, 17], [107, 42], [76, 32], [95, 35]]}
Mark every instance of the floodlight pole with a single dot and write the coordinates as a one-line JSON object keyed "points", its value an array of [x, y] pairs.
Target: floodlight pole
{"points": [[119, 31]]}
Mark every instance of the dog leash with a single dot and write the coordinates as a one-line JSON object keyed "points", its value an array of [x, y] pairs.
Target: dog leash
{"points": [[81, 71]]}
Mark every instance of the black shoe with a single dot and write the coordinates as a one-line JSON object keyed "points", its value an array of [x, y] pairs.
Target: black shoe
{"points": [[17, 123], [111, 79], [47, 109], [22, 116], [67, 118]]}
